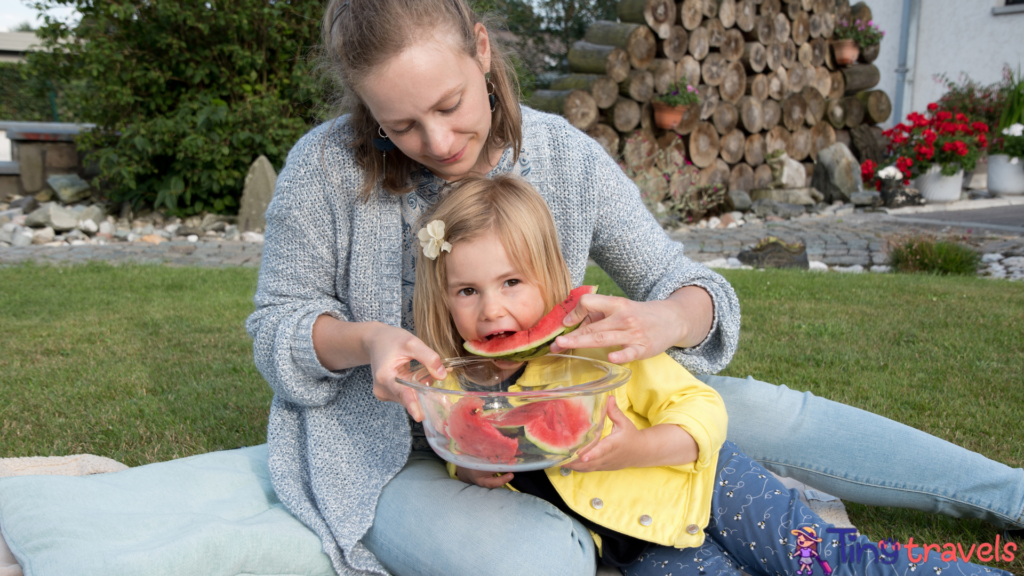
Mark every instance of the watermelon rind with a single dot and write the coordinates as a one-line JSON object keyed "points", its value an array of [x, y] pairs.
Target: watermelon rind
{"points": [[542, 421], [539, 345]]}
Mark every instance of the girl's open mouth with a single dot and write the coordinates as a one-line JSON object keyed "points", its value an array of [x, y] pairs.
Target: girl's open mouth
{"points": [[498, 335]]}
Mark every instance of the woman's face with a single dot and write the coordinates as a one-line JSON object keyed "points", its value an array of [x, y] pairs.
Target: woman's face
{"points": [[432, 102]]}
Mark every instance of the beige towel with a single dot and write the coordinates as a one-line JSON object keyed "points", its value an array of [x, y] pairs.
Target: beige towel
{"points": [[77, 465]]}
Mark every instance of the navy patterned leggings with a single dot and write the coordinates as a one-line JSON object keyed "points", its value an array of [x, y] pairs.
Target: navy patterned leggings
{"points": [[760, 527]]}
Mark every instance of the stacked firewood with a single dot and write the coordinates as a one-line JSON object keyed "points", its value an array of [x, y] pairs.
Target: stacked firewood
{"points": [[764, 71]]}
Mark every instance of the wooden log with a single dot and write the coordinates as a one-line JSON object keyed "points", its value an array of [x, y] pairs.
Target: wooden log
{"points": [[647, 116], [663, 72], [773, 56], [741, 177], [708, 100], [674, 47], [838, 85], [877, 106], [763, 31], [638, 151], [754, 57], [853, 109], [782, 28], [688, 69], [746, 15], [757, 86], [716, 175], [828, 22], [691, 117], [860, 11], [822, 80], [840, 8], [624, 115], [815, 26], [776, 139], [835, 113], [710, 9], [732, 47], [636, 39], [716, 32], [607, 137], [734, 85], [792, 9], [801, 27], [712, 69], [588, 58], [699, 46], [577, 106], [703, 145], [822, 136], [806, 5], [770, 8], [727, 13], [690, 14], [815, 105], [604, 90], [751, 114], [753, 151], [794, 111], [762, 177], [772, 114], [805, 55], [843, 136], [819, 47], [660, 15], [639, 85], [725, 118], [799, 144], [778, 84], [732, 144], [798, 76], [788, 54], [860, 77]]}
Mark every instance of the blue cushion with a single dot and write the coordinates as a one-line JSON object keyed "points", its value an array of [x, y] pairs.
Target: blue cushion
{"points": [[210, 514]]}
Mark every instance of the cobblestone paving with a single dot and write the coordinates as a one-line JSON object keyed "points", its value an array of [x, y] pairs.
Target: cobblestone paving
{"points": [[836, 241]]}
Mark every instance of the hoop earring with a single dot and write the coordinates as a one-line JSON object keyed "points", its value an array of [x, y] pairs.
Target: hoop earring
{"points": [[490, 95], [384, 144]]}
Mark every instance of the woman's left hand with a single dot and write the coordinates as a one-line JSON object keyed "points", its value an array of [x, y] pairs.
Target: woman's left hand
{"points": [[624, 447], [642, 329]]}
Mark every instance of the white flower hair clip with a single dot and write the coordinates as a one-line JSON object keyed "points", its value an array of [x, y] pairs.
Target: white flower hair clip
{"points": [[431, 239]]}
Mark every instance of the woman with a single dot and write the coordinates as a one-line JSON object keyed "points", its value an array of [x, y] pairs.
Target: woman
{"points": [[334, 316]]}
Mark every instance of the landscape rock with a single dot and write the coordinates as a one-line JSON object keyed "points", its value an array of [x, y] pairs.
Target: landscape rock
{"points": [[817, 266], [26, 204], [106, 228], [53, 215], [153, 239], [738, 200], [94, 213], [189, 231], [774, 253], [88, 226], [786, 172], [256, 194], [232, 233], [8, 215], [855, 269], [837, 173], [802, 196], [7, 232], [75, 235], [991, 257], [21, 237], [254, 237], [900, 196], [881, 268], [768, 207], [45, 195], [70, 188], [866, 198], [192, 238]]}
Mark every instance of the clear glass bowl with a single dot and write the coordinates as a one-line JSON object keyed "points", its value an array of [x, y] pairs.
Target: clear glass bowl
{"points": [[506, 416]]}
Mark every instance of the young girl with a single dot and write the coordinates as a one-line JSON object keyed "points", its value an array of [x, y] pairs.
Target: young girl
{"points": [[662, 492]]}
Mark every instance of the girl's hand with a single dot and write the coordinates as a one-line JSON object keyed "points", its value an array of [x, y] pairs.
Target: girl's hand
{"points": [[642, 329], [625, 447], [482, 478], [390, 349]]}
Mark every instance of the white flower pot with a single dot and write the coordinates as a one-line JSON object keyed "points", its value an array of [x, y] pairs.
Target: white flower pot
{"points": [[936, 188], [1005, 174]]}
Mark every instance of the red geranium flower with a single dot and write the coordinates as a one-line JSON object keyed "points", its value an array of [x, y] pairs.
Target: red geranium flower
{"points": [[960, 117], [980, 127], [982, 140], [867, 170], [929, 136], [944, 116], [933, 107]]}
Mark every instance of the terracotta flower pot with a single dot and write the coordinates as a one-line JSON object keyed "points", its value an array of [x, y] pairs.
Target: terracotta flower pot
{"points": [[667, 117], [846, 51]]}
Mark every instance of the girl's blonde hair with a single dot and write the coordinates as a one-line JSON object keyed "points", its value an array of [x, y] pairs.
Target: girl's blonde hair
{"points": [[474, 206], [359, 35]]}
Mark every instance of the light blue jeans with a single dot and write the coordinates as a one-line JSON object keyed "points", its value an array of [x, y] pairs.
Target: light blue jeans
{"points": [[427, 523]]}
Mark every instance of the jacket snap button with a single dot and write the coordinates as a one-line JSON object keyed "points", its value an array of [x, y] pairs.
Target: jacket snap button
{"points": [[597, 503], [692, 529], [646, 520], [565, 471]]}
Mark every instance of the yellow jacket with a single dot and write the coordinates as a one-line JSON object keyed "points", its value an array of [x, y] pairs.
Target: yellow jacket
{"points": [[668, 505]]}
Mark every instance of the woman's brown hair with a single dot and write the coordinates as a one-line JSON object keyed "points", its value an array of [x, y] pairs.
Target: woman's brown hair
{"points": [[520, 218], [359, 35]]}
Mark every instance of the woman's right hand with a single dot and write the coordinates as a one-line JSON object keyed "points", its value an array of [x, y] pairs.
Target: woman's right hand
{"points": [[390, 349]]}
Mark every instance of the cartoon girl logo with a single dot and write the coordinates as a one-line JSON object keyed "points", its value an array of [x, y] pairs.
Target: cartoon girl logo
{"points": [[807, 551]]}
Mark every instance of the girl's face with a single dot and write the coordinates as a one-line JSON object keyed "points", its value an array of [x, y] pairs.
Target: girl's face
{"points": [[487, 296], [431, 100]]}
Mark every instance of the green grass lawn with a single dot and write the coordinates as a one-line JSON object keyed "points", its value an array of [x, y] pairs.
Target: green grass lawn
{"points": [[144, 364]]}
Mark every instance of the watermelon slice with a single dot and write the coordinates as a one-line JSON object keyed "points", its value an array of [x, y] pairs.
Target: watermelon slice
{"points": [[556, 426], [470, 433], [533, 342]]}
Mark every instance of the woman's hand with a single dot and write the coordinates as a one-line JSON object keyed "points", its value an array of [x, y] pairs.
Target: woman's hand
{"points": [[390, 349], [482, 478], [642, 329]]}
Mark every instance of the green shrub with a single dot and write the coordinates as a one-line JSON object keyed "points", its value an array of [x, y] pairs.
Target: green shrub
{"points": [[927, 254], [184, 95], [23, 98]]}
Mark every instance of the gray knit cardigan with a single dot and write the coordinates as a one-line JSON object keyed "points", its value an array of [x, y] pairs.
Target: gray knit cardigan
{"points": [[333, 445]]}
